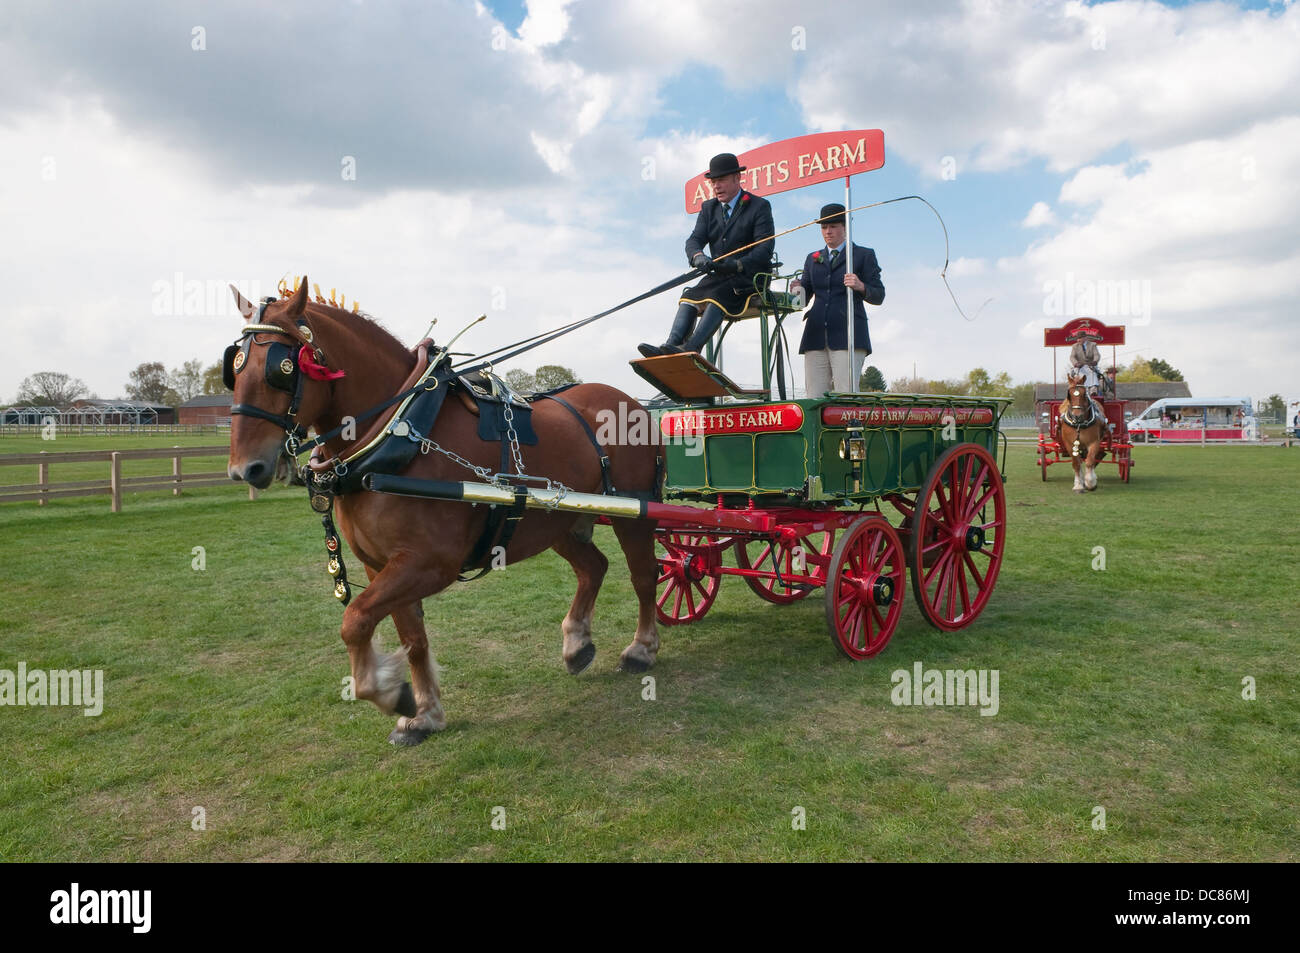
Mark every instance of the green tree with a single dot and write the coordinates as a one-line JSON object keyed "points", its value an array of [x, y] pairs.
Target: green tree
{"points": [[212, 382], [872, 379], [50, 389], [1138, 372], [187, 380], [550, 376], [520, 380], [1273, 407], [1022, 399], [978, 382], [1164, 370], [149, 384], [919, 385]]}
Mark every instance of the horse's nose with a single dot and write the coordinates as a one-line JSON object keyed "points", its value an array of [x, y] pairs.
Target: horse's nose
{"points": [[255, 473]]}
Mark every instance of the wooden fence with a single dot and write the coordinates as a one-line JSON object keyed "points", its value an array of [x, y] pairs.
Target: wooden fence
{"points": [[112, 430], [44, 490]]}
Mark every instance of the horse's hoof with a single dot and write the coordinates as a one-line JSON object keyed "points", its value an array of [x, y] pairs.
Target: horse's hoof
{"points": [[408, 737], [634, 665], [406, 704], [579, 662]]}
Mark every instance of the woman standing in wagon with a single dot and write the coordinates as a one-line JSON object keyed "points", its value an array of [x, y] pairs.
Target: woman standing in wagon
{"points": [[825, 334]]}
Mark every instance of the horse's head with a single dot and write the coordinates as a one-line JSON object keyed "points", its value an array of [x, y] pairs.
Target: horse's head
{"points": [[273, 397], [1076, 398]]}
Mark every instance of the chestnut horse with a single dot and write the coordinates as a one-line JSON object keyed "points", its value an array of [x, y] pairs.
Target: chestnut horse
{"points": [[1081, 429], [412, 548]]}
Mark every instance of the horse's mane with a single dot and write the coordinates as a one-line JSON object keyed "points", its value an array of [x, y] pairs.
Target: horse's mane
{"points": [[355, 320]]}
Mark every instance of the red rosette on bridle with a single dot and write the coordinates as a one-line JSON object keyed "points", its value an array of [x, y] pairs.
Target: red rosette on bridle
{"points": [[317, 372]]}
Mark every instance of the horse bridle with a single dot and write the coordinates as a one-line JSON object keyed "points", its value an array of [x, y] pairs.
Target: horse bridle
{"points": [[282, 373], [1069, 417]]}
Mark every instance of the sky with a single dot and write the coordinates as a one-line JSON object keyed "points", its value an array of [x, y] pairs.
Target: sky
{"points": [[1133, 160]]}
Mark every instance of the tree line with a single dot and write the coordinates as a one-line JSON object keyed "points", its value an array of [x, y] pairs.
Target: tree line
{"points": [[978, 382], [149, 383], [152, 383]]}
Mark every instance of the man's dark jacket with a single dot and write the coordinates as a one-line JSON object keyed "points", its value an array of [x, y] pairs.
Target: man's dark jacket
{"points": [[824, 321], [751, 221]]}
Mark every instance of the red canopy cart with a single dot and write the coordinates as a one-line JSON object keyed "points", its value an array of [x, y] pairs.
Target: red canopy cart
{"points": [[1117, 446]]}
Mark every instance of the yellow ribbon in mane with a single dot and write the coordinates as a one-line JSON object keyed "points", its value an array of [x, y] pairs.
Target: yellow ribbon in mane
{"points": [[342, 302]]}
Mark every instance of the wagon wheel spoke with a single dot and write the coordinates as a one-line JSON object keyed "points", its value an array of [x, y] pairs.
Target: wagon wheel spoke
{"points": [[880, 620], [947, 586], [979, 504], [960, 573], [853, 624], [938, 564], [970, 564]]}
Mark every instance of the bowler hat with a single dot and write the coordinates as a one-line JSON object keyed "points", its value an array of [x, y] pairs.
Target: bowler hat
{"points": [[723, 164], [832, 214]]}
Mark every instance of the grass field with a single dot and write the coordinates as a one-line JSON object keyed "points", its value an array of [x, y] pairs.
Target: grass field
{"points": [[1120, 689]]}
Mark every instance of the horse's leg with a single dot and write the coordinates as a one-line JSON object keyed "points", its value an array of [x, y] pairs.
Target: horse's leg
{"points": [[379, 678], [1090, 474], [637, 537], [428, 716], [589, 565], [1074, 462]]}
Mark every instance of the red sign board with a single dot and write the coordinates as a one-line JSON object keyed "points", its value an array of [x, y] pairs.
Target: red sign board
{"points": [[794, 163], [765, 418], [905, 416], [1065, 336]]}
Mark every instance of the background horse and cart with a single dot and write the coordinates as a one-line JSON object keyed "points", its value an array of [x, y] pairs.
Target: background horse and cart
{"points": [[1113, 444]]}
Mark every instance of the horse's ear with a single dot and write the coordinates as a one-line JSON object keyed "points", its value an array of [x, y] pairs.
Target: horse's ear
{"points": [[245, 306], [298, 303]]}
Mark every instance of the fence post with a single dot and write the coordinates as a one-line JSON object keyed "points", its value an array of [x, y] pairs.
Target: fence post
{"points": [[43, 468], [176, 472], [252, 492], [115, 480]]}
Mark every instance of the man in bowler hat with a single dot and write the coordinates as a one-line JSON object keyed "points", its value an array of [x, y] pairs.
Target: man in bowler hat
{"points": [[828, 282], [733, 219]]}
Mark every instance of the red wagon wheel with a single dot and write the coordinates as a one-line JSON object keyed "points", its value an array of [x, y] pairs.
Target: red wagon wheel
{"points": [[958, 536], [815, 550], [864, 594], [1124, 458], [688, 575]]}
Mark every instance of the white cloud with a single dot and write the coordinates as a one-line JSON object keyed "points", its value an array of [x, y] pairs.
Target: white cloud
{"points": [[1041, 214], [546, 23], [996, 85]]}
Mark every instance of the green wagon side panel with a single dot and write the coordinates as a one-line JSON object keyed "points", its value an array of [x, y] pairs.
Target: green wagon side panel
{"points": [[685, 464], [808, 462], [779, 460], [730, 460]]}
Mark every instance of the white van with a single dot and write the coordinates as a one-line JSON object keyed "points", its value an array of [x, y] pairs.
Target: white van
{"points": [[1195, 419]]}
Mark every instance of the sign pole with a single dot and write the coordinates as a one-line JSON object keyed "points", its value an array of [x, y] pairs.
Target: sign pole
{"points": [[848, 269]]}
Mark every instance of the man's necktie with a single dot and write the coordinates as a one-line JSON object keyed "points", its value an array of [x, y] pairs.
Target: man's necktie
{"points": [[835, 256], [726, 212]]}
